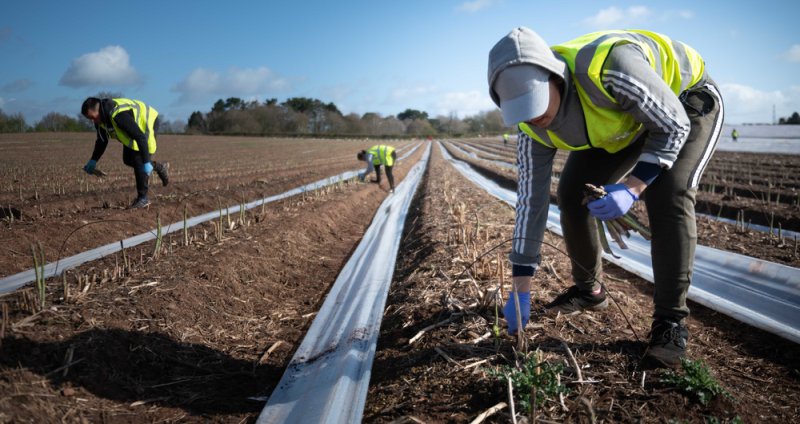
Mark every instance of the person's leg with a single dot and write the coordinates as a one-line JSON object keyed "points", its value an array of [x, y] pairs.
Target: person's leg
{"points": [[378, 174], [134, 160], [390, 177], [597, 167], [161, 168], [670, 202]]}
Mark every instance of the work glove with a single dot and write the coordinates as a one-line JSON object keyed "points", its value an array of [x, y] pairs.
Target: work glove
{"points": [[148, 168], [361, 176], [510, 311], [617, 201], [90, 166]]}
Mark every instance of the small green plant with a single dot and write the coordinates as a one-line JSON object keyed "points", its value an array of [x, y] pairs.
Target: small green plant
{"points": [[534, 376], [696, 381], [158, 236], [38, 269]]}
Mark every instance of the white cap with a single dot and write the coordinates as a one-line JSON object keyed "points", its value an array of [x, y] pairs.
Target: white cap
{"points": [[524, 92]]}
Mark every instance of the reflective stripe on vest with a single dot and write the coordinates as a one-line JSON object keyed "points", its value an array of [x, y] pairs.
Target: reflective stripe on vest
{"points": [[607, 126], [381, 155], [145, 121]]}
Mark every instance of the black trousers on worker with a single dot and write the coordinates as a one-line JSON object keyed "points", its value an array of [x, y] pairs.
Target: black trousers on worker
{"points": [[389, 175], [133, 159], [670, 202]]}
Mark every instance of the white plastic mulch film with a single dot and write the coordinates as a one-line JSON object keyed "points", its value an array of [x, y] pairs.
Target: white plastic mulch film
{"points": [[763, 294], [13, 282], [328, 377]]}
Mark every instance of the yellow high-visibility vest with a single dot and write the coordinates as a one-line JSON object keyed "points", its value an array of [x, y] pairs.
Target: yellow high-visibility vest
{"points": [[145, 116], [382, 155], [607, 126]]}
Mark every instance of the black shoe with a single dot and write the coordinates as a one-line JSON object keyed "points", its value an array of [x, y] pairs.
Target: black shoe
{"points": [[139, 203], [575, 300], [162, 169], [667, 342]]}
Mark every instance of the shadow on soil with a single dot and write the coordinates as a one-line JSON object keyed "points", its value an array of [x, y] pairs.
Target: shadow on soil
{"points": [[129, 366]]}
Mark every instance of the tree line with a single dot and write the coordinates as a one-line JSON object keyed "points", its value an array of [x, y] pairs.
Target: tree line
{"points": [[308, 116], [292, 117]]}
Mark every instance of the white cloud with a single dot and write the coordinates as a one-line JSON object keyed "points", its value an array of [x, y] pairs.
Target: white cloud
{"points": [[410, 92], [793, 54], [475, 5], [202, 83], [463, 103], [614, 17], [747, 104], [635, 16], [108, 66], [17, 86]]}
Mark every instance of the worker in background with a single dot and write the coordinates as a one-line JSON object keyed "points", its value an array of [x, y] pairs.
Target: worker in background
{"points": [[641, 117], [376, 156], [505, 139], [134, 124], [735, 135]]}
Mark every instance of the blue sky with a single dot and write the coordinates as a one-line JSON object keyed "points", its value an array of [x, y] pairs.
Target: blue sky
{"points": [[365, 56]]}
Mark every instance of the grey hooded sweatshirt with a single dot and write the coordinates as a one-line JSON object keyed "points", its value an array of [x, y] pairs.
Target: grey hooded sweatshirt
{"points": [[638, 89]]}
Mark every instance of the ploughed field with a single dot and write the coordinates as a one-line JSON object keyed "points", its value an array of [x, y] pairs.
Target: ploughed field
{"points": [[748, 188], [44, 193], [202, 331]]}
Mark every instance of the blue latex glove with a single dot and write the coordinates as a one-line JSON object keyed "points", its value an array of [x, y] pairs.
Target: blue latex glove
{"points": [[148, 168], [90, 166], [510, 311], [361, 176], [616, 203]]}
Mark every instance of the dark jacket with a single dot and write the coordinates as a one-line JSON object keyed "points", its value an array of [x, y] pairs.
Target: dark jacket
{"points": [[126, 122]]}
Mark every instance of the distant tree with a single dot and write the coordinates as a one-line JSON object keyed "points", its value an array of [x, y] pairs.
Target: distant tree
{"points": [[271, 102], [197, 123], [412, 114], [354, 125], [794, 119], [57, 122], [219, 106], [12, 123], [234, 103], [108, 95], [172, 127], [419, 127]]}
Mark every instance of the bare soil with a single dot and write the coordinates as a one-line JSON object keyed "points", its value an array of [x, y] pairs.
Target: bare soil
{"points": [[204, 332], [200, 334], [437, 344]]}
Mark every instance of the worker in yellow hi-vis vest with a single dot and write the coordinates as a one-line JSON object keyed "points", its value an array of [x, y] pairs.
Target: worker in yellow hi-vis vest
{"points": [[134, 124], [376, 156]]}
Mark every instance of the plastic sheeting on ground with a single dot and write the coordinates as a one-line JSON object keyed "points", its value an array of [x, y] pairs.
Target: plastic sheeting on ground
{"points": [[763, 294], [328, 377], [13, 282]]}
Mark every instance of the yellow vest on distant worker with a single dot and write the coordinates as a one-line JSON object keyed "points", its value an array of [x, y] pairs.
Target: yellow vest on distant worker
{"points": [[381, 155], [607, 126], [145, 116]]}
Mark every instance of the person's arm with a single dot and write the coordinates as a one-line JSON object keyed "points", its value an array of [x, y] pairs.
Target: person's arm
{"points": [[100, 144], [642, 93], [534, 167], [125, 122], [370, 167]]}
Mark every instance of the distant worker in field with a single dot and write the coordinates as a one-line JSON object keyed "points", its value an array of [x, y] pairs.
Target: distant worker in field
{"points": [[735, 135], [505, 139], [376, 156], [637, 111], [134, 124]]}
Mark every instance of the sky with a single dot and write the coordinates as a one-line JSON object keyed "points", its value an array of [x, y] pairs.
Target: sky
{"points": [[364, 56]]}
